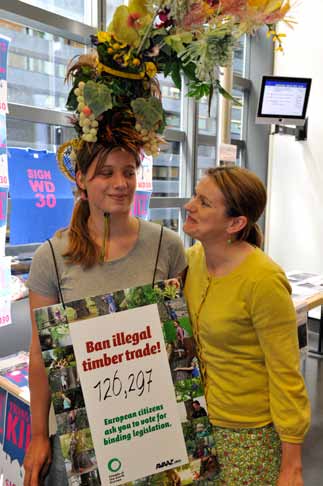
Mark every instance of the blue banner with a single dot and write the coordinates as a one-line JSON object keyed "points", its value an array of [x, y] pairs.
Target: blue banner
{"points": [[3, 397], [18, 430], [41, 197], [4, 46]]}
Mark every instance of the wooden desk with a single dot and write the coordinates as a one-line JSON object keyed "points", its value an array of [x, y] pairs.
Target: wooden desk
{"points": [[314, 301], [305, 304]]}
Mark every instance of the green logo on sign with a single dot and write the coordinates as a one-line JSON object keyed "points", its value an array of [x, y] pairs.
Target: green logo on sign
{"points": [[114, 465]]}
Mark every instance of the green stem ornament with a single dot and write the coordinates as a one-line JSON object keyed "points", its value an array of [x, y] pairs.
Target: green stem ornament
{"points": [[105, 236]]}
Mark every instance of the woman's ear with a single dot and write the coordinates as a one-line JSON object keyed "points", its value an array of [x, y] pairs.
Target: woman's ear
{"points": [[79, 178], [237, 224]]}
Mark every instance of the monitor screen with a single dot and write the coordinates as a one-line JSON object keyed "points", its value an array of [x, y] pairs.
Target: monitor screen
{"points": [[283, 100]]}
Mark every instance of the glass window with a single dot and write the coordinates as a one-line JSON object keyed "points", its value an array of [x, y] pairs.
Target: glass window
{"points": [[239, 57], [237, 114], [240, 157], [206, 158], [171, 98], [81, 10], [166, 171], [111, 6], [37, 66], [38, 136], [206, 120], [168, 217]]}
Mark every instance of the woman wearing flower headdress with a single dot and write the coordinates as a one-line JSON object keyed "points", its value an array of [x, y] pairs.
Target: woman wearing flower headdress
{"points": [[105, 248], [245, 326]]}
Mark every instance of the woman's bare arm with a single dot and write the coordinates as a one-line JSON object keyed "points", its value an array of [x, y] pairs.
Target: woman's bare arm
{"points": [[38, 456]]}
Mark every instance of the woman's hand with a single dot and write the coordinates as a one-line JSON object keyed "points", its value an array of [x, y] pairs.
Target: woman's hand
{"points": [[37, 460], [291, 465]]}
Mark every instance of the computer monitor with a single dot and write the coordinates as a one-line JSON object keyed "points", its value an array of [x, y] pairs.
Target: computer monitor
{"points": [[283, 100]]}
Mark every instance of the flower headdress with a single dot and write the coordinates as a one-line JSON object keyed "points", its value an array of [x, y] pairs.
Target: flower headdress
{"points": [[115, 95]]}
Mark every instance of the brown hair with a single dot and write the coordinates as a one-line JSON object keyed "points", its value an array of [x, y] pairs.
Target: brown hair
{"points": [[244, 195], [81, 248]]}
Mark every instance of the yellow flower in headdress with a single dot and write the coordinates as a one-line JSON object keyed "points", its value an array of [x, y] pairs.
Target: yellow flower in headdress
{"points": [[104, 36], [151, 69], [128, 21], [264, 4], [269, 12], [268, 7]]}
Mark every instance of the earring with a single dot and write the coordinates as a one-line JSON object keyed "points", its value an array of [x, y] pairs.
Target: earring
{"points": [[229, 241]]}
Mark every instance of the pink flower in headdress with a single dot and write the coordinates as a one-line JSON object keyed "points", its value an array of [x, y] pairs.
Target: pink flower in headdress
{"points": [[212, 3], [164, 20], [197, 16], [163, 16], [233, 7]]}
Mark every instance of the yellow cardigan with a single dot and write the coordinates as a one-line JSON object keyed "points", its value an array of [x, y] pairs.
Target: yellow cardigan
{"points": [[245, 327]]}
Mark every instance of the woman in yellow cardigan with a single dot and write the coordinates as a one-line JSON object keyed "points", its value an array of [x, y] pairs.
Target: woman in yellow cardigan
{"points": [[245, 326]]}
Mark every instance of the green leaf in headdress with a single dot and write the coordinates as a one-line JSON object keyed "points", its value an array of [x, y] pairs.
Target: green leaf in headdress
{"points": [[149, 111], [97, 97], [226, 94], [177, 41]]}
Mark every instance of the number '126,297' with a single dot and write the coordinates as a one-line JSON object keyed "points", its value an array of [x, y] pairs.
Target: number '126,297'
{"points": [[138, 383]]}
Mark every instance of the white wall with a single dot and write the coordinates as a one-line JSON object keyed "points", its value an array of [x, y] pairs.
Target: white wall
{"points": [[294, 230]]}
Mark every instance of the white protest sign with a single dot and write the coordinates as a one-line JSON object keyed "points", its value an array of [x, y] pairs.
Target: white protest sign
{"points": [[228, 153], [129, 394], [3, 96], [145, 174], [4, 179], [5, 312], [5, 291]]}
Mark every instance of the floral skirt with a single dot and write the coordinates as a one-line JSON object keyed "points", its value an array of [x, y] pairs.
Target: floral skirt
{"points": [[247, 457]]}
